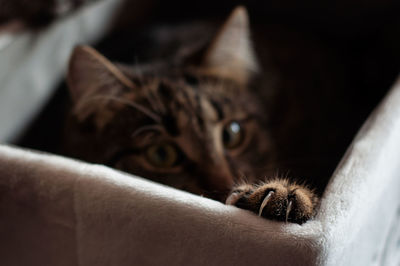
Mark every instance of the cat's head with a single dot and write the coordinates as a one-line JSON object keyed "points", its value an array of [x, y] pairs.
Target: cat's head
{"points": [[194, 124]]}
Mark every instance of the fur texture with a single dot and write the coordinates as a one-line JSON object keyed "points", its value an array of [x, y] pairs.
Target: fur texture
{"points": [[204, 120]]}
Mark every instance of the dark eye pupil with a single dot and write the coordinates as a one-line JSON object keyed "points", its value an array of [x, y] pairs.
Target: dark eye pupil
{"points": [[232, 135], [226, 136], [161, 154]]}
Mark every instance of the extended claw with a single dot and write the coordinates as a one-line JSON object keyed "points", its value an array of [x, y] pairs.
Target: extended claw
{"points": [[265, 201], [289, 208], [233, 198]]}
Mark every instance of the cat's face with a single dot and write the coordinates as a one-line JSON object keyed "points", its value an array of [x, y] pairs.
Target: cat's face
{"points": [[193, 126]]}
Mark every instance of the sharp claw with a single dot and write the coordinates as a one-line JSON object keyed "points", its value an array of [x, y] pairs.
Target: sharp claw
{"points": [[265, 201], [289, 208], [233, 198]]}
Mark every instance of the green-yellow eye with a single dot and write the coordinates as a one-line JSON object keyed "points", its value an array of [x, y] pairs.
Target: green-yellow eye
{"points": [[163, 155], [232, 135]]}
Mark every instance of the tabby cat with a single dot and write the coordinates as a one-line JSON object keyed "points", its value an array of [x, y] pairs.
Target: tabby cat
{"points": [[210, 119]]}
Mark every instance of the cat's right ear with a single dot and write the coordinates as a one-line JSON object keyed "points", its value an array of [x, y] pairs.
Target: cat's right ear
{"points": [[89, 72], [231, 53]]}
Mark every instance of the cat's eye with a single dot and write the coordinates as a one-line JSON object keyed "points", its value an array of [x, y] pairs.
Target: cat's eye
{"points": [[163, 155], [232, 135]]}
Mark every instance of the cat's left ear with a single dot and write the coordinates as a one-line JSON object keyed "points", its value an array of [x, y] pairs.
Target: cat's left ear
{"points": [[93, 82], [89, 71], [231, 54]]}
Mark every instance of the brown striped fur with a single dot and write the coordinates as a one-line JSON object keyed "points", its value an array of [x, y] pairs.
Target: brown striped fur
{"points": [[121, 112]]}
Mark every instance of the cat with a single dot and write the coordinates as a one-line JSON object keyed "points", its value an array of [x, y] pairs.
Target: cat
{"points": [[205, 119]]}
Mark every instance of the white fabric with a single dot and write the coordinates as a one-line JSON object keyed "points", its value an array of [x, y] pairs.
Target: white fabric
{"points": [[32, 63], [56, 211]]}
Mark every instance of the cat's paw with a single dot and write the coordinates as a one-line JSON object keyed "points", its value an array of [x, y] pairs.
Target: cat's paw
{"points": [[278, 200]]}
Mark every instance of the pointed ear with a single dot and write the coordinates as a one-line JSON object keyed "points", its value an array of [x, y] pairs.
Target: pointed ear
{"points": [[89, 72], [93, 82], [231, 54]]}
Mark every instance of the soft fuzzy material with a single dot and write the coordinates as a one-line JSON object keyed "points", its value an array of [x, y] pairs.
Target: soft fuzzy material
{"points": [[56, 211]]}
